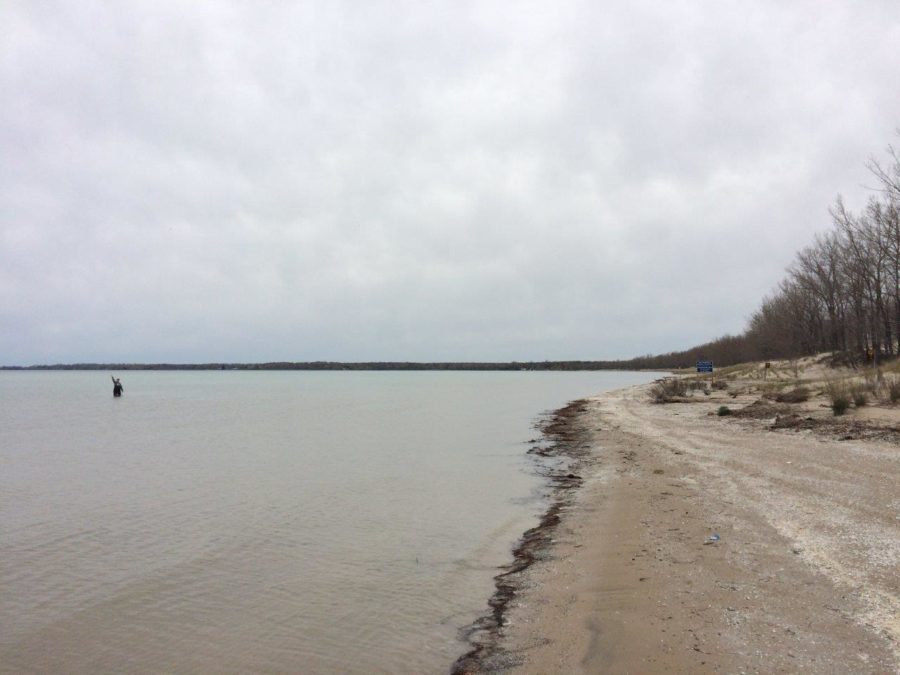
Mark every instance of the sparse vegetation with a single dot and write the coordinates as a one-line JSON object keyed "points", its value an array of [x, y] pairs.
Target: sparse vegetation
{"points": [[859, 395], [893, 389], [840, 404], [669, 389], [839, 397]]}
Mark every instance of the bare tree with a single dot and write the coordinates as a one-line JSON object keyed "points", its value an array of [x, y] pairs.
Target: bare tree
{"points": [[888, 174], [841, 294]]}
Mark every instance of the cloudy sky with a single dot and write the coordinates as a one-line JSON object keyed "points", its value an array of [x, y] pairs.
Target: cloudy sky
{"points": [[226, 181]]}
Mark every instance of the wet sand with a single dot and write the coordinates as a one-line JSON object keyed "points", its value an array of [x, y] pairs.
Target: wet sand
{"points": [[629, 577]]}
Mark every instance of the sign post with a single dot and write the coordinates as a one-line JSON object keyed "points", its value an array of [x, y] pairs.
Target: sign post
{"points": [[706, 367]]}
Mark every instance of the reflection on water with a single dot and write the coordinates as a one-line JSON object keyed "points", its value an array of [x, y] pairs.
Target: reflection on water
{"points": [[241, 521]]}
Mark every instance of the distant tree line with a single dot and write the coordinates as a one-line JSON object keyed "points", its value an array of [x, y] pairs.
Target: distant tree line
{"points": [[840, 295], [724, 351]]}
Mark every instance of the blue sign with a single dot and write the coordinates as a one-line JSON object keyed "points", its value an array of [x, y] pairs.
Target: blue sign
{"points": [[704, 366]]}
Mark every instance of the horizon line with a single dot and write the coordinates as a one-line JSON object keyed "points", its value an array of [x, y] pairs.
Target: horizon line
{"points": [[329, 365]]}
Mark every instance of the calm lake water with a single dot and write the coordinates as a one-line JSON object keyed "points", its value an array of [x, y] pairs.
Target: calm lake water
{"points": [[336, 522]]}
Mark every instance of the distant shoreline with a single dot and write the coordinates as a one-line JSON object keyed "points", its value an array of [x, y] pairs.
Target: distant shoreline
{"points": [[338, 365]]}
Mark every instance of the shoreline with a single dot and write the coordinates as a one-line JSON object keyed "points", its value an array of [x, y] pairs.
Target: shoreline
{"points": [[695, 543], [564, 441]]}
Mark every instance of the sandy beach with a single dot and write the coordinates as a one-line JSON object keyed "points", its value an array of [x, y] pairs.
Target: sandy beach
{"points": [[696, 543]]}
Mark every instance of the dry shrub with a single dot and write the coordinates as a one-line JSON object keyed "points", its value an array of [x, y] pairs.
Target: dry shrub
{"points": [[860, 395], [839, 396], [666, 390], [893, 389]]}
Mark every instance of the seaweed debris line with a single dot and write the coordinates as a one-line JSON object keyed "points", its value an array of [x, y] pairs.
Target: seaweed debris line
{"points": [[565, 448]]}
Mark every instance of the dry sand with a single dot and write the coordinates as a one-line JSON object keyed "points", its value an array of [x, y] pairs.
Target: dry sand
{"points": [[804, 576]]}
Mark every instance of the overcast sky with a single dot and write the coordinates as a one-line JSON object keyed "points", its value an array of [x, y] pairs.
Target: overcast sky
{"points": [[224, 181]]}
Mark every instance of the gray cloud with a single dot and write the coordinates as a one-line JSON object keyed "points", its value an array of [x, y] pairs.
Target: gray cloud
{"points": [[255, 181]]}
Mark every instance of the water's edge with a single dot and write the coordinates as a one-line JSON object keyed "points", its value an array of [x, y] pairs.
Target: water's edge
{"points": [[565, 447]]}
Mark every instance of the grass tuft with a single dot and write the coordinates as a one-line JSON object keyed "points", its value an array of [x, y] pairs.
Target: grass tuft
{"points": [[839, 396]]}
